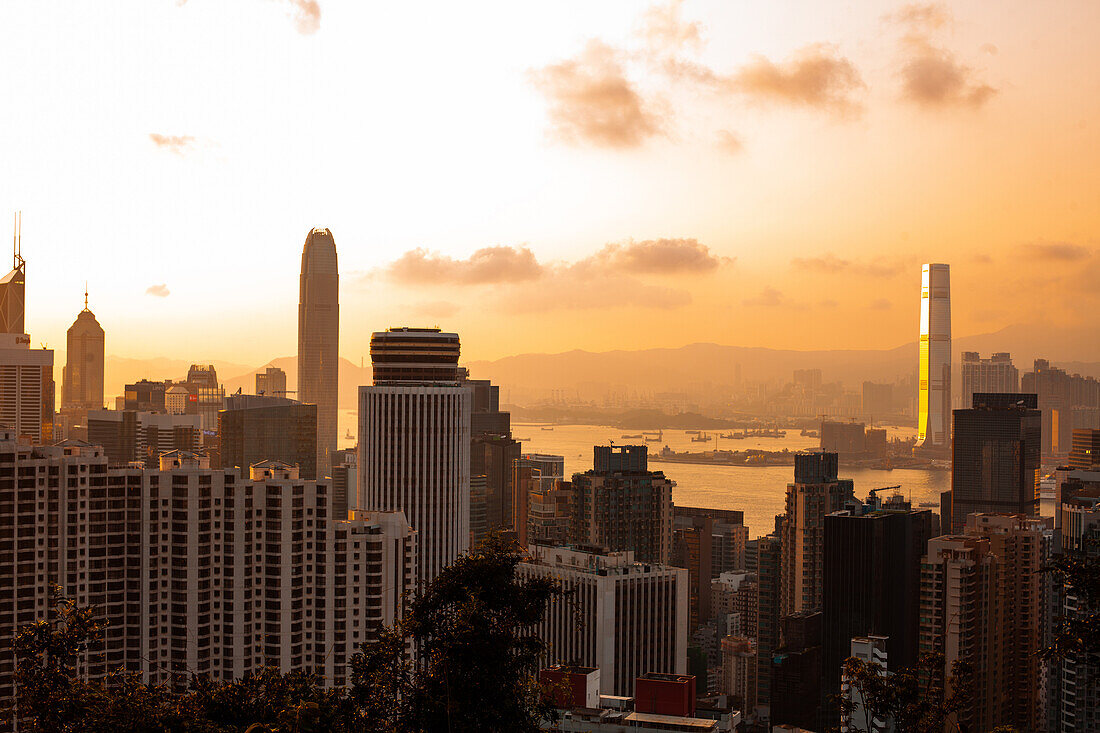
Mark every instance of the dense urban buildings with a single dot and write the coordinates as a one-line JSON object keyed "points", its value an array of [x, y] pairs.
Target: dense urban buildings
{"points": [[173, 555], [995, 459], [414, 440], [852, 440], [994, 374], [128, 435], [934, 408], [543, 499], [623, 616], [319, 339], [493, 453], [82, 376], [1066, 401], [982, 603], [1085, 451], [621, 505]]}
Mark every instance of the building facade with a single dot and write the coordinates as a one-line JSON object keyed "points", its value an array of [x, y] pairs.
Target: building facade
{"points": [[26, 388], [128, 435], [994, 374], [625, 617], [319, 339], [934, 397], [286, 433], [196, 570], [82, 376], [271, 382], [414, 441], [621, 505]]}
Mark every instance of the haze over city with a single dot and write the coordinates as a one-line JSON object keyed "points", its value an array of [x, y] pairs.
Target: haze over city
{"points": [[529, 175]]}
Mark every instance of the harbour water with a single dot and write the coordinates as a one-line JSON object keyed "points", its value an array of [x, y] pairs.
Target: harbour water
{"points": [[757, 491]]}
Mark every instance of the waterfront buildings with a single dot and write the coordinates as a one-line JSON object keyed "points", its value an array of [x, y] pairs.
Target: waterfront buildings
{"points": [[621, 505], [995, 459], [994, 374], [542, 500], [319, 339], [625, 617], [934, 399], [173, 557], [82, 376], [414, 440], [982, 603]]}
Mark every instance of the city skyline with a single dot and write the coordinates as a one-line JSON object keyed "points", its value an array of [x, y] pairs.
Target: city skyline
{"points": [[566, 204]]}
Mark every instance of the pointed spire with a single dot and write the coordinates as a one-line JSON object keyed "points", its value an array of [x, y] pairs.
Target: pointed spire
{"points": [[85, 295]]}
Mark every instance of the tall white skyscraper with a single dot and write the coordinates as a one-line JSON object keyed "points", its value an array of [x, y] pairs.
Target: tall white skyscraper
{"points": [[934, 408], [414, 441]]}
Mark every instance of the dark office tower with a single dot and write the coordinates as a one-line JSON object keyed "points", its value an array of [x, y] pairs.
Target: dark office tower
{"points": [[768, 556], [284, 433], [82, 377], [492, 453], [319, 339], [995, 458], [621, 505], [271, 382], [414, 440], [145, 396], [871, 586], [995, 374], [13, 287], [691, 549], [1085, 453], [796, 672]]}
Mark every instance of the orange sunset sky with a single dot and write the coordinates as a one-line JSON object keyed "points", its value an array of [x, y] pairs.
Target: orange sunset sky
{"points": [[543, 176]]}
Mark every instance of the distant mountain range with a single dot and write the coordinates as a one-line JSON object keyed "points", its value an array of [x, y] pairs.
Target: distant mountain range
{"points": [[532, 376]]}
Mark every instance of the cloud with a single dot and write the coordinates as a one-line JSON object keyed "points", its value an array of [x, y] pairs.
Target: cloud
{"points": [[814, 76], [306, 14], [831, 264], [486, 265], [178, 144], [881, 304], [160, 291], [664, 30], [769, 297], [931, 76], [592, 101], [1056, 251], [657, 256], [729, 142]]}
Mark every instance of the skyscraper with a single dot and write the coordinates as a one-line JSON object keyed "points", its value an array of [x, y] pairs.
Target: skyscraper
{"points": [[319, 339], [934, 421], [414, 440], [82, 377], [995, 374], [995, 458], [13, 287], [271, 382]]}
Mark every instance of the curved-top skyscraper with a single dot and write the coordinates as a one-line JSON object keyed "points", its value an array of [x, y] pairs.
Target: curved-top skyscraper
{"points": [[319, 339], [934, 416]]}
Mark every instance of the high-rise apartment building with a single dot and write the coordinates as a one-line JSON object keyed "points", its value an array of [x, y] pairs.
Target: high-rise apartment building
{"points": [[1076, 678], [621, 505], [982, 603], [279, 432], [82, 376], [934, 398], [271, 382], [768, 567], [414, 440], [995, 458], [624, 617], [796, 672], [871, 585], [1085, 450], [173, 558], [26, 388], [707, 542], [872, 651], [319, 339], [128, 435], [995, 374], [542, 499], [816, 492]]}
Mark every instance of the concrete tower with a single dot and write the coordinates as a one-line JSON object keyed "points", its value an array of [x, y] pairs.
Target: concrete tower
{"points": [[319, 339], [414, 440], [82, 377], [934, 420]]}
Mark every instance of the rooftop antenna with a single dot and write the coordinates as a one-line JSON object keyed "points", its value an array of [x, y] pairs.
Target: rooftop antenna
{"points": [[85, 295]]}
